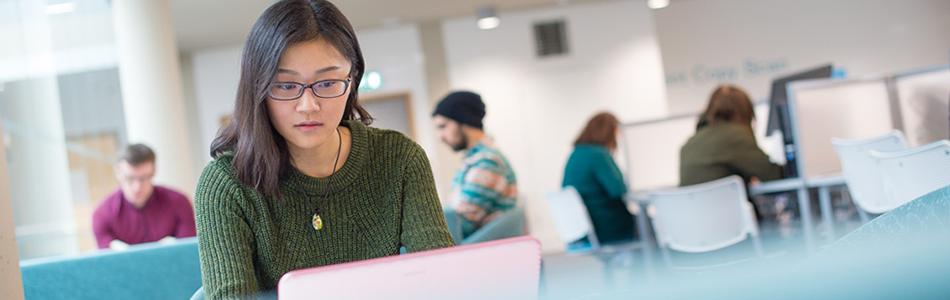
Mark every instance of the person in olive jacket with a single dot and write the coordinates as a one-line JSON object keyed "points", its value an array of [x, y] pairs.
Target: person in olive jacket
{"points": [[592, 171], [724, 144]]}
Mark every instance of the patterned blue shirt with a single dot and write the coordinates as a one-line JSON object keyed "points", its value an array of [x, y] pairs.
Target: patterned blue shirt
{"points": [[484, 187]]}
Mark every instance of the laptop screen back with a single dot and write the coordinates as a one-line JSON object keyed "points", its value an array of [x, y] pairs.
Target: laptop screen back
{"points": [[501, 269]]}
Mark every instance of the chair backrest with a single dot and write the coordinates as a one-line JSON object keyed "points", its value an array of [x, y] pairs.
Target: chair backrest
{"points": [[861, 171], [914, 172], [570, 216], [455, 225], [703, 217], [507, 225], [510, 223]]}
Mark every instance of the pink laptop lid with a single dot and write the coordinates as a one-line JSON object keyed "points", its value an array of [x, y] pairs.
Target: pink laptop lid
{"points": [[501, 269]]}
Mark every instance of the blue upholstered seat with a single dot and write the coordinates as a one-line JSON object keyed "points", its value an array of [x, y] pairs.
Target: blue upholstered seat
{"points": [[146, 271], [508, 224]]}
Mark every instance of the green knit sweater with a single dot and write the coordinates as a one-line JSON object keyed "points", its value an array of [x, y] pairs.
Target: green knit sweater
{"points": [[382, 198]]}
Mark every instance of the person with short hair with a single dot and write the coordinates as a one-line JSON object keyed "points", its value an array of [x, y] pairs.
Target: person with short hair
{"points": [[299, 179], [140, 212], [485, 186], [592, 171]]}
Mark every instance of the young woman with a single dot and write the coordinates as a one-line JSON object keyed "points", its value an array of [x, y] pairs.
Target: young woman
{"points": [[298, 179], [592, 171], [724, 144]]}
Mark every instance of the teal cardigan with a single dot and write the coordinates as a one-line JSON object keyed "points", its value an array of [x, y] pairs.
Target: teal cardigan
{"points": [[592, 171]]}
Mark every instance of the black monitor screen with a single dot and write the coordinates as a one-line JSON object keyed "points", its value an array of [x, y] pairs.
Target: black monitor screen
{"points": [[778, 112]]}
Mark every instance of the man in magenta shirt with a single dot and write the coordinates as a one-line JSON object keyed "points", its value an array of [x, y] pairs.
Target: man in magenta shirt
{"points": [[139, 212]]}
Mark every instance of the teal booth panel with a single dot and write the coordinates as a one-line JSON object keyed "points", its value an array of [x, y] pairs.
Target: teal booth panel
{"points": [[147, 271]]}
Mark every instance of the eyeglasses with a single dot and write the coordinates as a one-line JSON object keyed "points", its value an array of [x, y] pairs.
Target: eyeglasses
{"points": [[330, 88], [133, 179]]}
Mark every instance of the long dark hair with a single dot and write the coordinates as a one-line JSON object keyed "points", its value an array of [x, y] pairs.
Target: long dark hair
{"points": [[261, 157], [729, 103], [600, 130]]}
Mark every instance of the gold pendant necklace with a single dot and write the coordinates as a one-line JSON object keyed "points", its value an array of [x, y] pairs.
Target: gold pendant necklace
{"points": [[317, 222]]}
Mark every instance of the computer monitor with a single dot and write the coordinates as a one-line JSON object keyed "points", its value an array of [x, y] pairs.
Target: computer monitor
{"points": [[923, 96], [500, 269], [823, 109], [778, 112], [651, 151]]}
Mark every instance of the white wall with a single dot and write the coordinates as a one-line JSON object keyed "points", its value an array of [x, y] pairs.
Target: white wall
{"points": [[699, 38], [536, 107], [215, 73], [395, 53]]}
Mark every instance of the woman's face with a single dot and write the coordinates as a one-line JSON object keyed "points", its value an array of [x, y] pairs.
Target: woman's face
{"points": [[309, 121]]}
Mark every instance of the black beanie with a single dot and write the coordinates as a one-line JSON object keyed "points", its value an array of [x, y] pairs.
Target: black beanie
{"points": [[463, 107]]}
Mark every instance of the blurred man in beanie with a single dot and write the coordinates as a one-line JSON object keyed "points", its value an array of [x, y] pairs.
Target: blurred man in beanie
{"points": [[485, 185]]}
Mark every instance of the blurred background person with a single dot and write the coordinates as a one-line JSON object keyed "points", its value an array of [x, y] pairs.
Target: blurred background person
{"points": [[140, 212], [485, 185], [724, 143], [592, 170]]}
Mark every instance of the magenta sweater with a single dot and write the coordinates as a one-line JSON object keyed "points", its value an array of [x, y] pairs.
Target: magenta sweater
{"points": [[167, 213]]}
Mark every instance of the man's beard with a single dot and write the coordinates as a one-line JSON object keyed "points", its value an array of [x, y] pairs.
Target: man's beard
{"points": [[463, 141]]}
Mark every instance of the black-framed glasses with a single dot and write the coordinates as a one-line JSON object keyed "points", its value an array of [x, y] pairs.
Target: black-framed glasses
{"points": [[330, 88]]}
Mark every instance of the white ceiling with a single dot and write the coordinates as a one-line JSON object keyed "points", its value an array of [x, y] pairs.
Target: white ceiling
{"points": [[211, 23]]}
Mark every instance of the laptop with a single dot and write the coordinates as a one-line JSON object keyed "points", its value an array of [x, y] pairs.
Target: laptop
{"points": [[500, 269]]}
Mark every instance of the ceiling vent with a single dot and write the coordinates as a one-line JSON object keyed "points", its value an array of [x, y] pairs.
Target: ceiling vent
{"points": [[551, 38]]}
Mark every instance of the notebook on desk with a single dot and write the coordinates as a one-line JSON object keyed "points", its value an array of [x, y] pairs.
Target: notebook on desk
{"points": [[501, 269]]}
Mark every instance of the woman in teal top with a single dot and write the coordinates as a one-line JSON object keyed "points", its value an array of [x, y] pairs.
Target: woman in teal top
{"points": [[592, 171], [299, 180]]}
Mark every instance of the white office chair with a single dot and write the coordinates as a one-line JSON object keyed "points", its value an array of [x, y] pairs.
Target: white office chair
{"points": [[861, 171], [573, 223], [704, 217], [914, 172], [572, 220]]}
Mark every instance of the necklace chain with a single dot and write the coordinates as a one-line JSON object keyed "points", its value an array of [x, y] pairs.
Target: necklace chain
{"points": [[317, 221]]}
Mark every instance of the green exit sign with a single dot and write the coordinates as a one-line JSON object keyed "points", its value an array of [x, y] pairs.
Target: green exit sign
{"points": [[371, 81]]}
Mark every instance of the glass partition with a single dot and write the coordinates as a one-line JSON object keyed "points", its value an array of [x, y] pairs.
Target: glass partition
{"points": [[62, 119]]}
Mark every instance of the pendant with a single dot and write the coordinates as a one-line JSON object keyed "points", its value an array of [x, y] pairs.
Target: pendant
{"points": [[317, 222]]}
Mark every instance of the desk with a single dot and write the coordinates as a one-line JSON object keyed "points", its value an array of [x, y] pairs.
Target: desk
{"points": [[641, 199], [804, 203], [824, 199], [776, 186]]}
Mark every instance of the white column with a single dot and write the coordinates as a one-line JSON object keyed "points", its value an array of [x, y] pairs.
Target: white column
{"points": [[444, 161], [152, 94]]}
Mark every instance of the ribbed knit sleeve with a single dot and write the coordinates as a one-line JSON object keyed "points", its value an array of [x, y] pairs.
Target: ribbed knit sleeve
{"points": [[423, 221], [225, 239]]}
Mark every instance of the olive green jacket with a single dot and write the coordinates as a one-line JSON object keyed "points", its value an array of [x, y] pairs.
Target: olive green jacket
{"points": [[721, 149]]}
